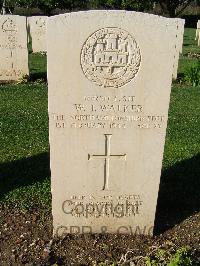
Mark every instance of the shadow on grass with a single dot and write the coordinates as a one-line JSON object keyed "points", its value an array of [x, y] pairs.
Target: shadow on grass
{"points": [[23, 172], [38, 76], [178, 196], [180, 78]]}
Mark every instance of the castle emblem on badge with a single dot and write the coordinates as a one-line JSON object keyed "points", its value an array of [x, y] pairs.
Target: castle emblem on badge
{"points": [[110, 57]]}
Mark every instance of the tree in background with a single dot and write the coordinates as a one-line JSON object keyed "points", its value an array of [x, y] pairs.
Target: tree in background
{"points": [[47, 6], [171, 8], [72, 4], [174, 8], [137, 5], [7, 7], [11, 4]]}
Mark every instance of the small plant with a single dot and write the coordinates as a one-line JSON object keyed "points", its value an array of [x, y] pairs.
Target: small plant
{"points": [[182, 257], [193, 55], [24, 79], [193, 75], [39, 81]]}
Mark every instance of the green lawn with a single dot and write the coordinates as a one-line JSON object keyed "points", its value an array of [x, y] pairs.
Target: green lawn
{"points": [[190, 46], [24, 156], [38, 66]]}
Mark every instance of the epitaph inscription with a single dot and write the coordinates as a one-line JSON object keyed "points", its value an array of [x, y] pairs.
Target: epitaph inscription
{"points": [[110, 57]]}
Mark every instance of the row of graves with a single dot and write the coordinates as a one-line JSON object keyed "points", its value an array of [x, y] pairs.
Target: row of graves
{"points": [[16, 32], [109, 84]]}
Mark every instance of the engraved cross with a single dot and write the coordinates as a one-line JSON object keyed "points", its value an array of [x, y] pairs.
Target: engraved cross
{"points": [[107, 157]]}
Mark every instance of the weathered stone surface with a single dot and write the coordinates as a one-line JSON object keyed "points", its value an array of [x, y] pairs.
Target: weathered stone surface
{"points": [[13, 48], [109, 92], [37, 33]]}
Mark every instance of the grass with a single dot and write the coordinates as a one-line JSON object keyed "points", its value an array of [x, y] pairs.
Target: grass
{"points": [[38, 67], [190, 46], [183, 138], [24, 121], [24, 142], [24, 157]]}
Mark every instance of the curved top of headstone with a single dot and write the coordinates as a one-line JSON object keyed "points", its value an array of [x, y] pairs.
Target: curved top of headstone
{"points": [[118, 14]]}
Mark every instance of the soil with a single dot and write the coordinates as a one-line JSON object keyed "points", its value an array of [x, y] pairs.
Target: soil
{"points": [[26, 239]]}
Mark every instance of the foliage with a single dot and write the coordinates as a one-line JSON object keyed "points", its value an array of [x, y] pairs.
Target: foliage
{"points": [[11, 4], [45, 5], [170, 7], [48, 5], [193, 74], [23, 79], [137, 5], [181, 257]]}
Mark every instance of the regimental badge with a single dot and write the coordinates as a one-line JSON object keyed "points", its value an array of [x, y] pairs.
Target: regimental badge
{"points": [[110, 57]]}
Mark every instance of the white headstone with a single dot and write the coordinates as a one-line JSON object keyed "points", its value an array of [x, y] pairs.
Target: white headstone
{"points": [[178, 45], [198, 33], [109, 92], [181, 25], [37, 33], [13, 48], [197, 30]]}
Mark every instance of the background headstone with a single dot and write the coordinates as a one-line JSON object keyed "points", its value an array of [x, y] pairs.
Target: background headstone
{"points": [[178, 45], [181, 25], [109, 92], [197, 30], [198, 33], [37, 33], [13, 48]]}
